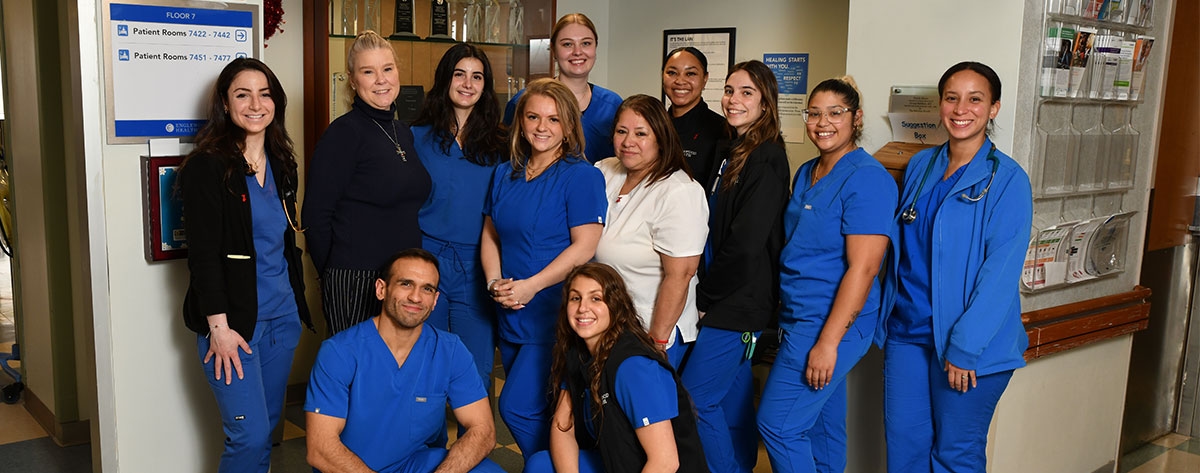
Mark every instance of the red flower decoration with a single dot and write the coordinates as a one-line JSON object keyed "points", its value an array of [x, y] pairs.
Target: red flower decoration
{"points": [[272, 18]]}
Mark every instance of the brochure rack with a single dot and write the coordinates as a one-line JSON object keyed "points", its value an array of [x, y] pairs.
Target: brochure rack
{"points": [[1085, 146]]}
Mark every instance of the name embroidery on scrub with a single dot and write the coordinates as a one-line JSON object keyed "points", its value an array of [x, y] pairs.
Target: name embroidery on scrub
{"points": [[604, 399]]}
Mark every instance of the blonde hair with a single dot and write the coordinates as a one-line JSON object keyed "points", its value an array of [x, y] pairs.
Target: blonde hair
{"points": [[568, 116], [367, 40]]}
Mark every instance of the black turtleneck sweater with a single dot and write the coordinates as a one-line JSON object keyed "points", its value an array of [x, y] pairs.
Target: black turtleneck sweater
{"points": [[362, 198]]}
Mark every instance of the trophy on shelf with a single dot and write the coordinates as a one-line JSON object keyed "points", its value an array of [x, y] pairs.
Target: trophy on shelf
{"points": [[404, 20], [439, 19], [350, 18], [371, 17], [473, 21], [516, 22], [491, 20]]}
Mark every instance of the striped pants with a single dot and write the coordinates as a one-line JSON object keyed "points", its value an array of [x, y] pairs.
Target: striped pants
{"points": [[348, 297]]}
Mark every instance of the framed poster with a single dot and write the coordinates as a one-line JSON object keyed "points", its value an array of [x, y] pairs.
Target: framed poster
{"points": [[161, 58], [717, 44], [162, 209], [791, 73]]}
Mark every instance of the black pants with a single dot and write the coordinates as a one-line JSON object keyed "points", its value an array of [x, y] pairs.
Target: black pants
{"points": [[348, 297]]}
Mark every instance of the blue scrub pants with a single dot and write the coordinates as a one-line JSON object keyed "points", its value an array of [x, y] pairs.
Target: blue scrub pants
{"points": [[589, 462], [250, 407], [804, 429], [464, 307], [427, 459], [717, 374], [678, 351], [524, 402], [930, 426]]}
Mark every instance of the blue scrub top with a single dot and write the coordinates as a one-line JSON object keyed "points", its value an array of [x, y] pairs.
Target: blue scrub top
{"points": [[645, 391], [912, 317], [857, 197], [597, 121], [391, 411], [269, 224], [454, 210], [533, 221]]}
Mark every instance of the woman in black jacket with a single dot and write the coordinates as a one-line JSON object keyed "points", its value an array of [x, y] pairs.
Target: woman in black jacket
{"points": [[739, 275], [245, 297], [620, 409]]}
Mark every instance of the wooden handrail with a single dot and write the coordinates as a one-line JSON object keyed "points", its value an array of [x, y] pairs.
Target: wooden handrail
{"points": [[1060, 328]]}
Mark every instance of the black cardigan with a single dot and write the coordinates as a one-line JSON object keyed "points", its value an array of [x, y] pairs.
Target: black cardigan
{"points": [[219, 232], [739, 288]]}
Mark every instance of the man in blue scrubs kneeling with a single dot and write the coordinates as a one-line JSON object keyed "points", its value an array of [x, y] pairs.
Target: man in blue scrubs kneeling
{"points": [[378, 391]]}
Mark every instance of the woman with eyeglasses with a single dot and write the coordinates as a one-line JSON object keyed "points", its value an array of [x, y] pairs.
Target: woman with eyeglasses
{"points": [[954, 335], [836, 231]]}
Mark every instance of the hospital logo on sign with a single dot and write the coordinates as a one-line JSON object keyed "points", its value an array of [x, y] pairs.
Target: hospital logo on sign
{"points": [[170, 127]]}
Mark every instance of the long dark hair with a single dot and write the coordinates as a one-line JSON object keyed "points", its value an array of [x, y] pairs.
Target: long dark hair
{"points": [[670, 151], [765, 129], [224, 139], [623, 318], [483, 135]]}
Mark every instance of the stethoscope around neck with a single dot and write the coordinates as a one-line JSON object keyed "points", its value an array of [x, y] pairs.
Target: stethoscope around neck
{"points": [[909, 215]]}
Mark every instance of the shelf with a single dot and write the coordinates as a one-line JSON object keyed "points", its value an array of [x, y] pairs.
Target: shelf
{"points": [[1091, 101], [1092, 22]]}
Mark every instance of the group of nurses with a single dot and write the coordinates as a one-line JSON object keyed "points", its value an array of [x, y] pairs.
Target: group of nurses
{"points": [[573, 42], [837, 228], [543, 216], [460, 140]]}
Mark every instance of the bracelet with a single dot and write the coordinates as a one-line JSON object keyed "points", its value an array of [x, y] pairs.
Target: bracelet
{"points": [[491, 282], [661, 342]]}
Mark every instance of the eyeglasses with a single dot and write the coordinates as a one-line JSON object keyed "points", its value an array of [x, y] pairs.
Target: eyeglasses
{"points": [[834, 115]]}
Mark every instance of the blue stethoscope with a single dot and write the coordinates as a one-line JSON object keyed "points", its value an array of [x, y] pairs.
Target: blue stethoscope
{"points": [[909, 215]]}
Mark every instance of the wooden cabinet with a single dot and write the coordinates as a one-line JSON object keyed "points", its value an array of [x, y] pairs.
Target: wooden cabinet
{"points": [[329, 32]]}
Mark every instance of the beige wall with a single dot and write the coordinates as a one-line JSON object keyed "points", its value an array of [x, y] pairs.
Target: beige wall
{"points": [[630, 57]]}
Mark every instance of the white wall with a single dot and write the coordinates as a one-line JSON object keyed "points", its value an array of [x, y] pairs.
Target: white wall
{"points": [[155, 407]]}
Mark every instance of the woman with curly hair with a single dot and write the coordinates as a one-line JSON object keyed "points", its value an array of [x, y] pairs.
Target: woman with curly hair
{"points": [[620, 406]]}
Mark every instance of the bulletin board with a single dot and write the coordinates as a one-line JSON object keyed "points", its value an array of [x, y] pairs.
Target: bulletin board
{"points": [[161, 58]]}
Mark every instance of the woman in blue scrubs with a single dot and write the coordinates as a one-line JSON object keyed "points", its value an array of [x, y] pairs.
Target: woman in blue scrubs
{"points": [[542, 217], [739, 276], [459, 139], [245, 296], [603, 354], [573, 42], [836, 232], [954, 335]]}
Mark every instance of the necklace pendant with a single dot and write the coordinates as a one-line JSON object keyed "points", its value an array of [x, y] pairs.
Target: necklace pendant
{"points": [[400, 152]]}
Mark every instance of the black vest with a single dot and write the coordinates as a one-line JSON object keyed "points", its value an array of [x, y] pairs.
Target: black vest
{"points": [[617, 442]]}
